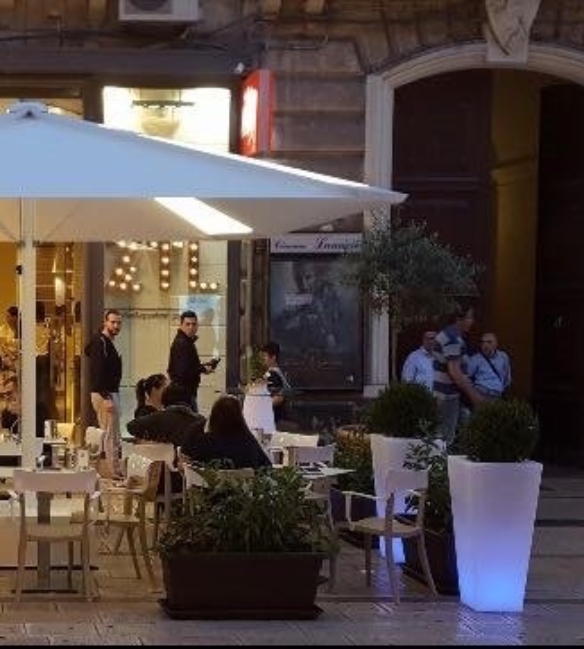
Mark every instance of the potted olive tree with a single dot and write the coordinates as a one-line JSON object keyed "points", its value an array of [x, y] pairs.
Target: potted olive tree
{"points": [[495, 488], [244, 548], [430, 453], [402, 412], [353, 451]]}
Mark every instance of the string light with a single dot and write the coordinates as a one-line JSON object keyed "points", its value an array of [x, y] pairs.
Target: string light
{"points": [[164, 265]]}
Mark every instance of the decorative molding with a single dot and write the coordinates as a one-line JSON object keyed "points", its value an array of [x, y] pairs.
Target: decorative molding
{"points": [[508, 27]]}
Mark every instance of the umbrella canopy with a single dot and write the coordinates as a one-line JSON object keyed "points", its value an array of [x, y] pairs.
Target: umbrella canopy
{"points": [[64, 179], [62, 162]]}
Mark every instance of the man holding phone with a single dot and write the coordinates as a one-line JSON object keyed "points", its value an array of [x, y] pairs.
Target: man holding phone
{"points": [[184, 365]]}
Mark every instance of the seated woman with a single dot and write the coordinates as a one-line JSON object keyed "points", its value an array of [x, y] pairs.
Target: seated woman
{"points": [[149, 394], [177, 423], [228, 438]]}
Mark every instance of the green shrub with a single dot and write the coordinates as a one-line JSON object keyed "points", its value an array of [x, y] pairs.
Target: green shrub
{"points": [[403, 410], [353, 451], [500, 431], [266, 513], [430, 453]]}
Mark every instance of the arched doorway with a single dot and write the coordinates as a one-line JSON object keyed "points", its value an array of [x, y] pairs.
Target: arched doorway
{"points": [[464, 140]]}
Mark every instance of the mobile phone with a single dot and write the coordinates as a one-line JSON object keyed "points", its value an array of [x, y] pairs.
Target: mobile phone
{"points": [[214, 362]]}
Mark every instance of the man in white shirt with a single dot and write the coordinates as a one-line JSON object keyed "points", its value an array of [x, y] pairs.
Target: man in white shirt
{"points": [[418, 367], [490, 369]]}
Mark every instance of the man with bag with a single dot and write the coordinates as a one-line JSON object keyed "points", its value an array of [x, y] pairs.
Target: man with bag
{"points": [[489, 369]]}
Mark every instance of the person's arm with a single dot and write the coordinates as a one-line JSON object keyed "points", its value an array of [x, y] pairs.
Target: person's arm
{"points": [[409, 370], [506, 371], [144, 427], [275, 386], [462, 381], [178, 363]]}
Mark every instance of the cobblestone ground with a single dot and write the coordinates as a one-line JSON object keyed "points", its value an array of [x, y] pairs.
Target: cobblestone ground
{"points": [[127, 611]]}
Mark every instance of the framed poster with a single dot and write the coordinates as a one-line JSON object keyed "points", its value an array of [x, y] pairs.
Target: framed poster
{"points": [[316, 318]]}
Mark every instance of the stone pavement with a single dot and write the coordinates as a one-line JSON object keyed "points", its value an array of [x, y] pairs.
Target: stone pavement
{"points": [[127, 611]]}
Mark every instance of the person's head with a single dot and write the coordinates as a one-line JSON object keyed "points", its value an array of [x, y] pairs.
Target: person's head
{"points": [[112, 323], [463, 317], [227, 416], [150, 389], [12, 317], [305, 276], [428, 340], [189, 323], [488, 344], [270, 354], [175, 395]]}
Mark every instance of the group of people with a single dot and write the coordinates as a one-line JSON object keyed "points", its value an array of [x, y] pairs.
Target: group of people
{"points": [[167, 408], [459, 380]]}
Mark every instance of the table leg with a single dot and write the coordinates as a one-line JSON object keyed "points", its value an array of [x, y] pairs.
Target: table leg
{"points": [[44, 548]]}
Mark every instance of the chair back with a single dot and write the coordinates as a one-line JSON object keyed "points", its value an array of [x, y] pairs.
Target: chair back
{"points": [[298, 455], [55, 482], [143, 473], [283, 440], [156, 451], [399, 480]]}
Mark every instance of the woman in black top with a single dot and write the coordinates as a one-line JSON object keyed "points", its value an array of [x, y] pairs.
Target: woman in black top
{"points": [[149, 394], [228, 438]]}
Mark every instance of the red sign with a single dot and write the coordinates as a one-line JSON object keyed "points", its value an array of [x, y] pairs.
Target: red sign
{"points": [[257, 98]]}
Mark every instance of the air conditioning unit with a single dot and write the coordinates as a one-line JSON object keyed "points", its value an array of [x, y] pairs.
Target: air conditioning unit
{"points": [[182, 11]]}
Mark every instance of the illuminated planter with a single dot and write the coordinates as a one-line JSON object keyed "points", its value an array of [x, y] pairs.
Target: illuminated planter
{"points": [[258, 411], [389, 453], [493, 506]]}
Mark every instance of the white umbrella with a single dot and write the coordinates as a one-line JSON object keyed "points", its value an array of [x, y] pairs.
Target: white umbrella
{"points": [[63, 179]]}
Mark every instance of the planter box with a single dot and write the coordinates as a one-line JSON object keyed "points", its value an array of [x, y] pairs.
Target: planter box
{"points": [[241, 585], [441, 552], [360, 508], [493, 507]]}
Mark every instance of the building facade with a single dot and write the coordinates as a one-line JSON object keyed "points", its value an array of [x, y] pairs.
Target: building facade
{"points": [[470, 106]]}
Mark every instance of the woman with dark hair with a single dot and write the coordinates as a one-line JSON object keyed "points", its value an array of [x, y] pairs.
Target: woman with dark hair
{"points": [[149, 394], [228, 438]]}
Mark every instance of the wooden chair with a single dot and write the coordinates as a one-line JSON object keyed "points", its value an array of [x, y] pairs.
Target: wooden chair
{"points": [[46, 484], [165, 453], [391, 527], [137, 491]]}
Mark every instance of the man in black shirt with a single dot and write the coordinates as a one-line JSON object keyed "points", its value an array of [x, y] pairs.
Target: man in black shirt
{"points": [[105, 376], [184, 365]]}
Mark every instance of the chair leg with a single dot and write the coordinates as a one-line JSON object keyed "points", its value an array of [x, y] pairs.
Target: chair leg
{"points": [[391, 570], [118, 542], [144, 546], [132, 546], [21, 568], [367, 544], [423, 556], [86, 568], [156, 524], [70, 559]]}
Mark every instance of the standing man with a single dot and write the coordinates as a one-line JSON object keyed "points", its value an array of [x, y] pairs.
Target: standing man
{"points": [[489, 369], [419, 365], [277, 383], [184, 365], [105, 375], [450, 372]]}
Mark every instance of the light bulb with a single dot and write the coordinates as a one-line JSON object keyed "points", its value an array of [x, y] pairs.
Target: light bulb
{"points": [[165, 260], [193, 271], [123, 286], [164, 272], [213, 285], [133, 269], [193, 283], [126, 259], [119, 271], [165, 246], [136, 287], [164, 285], [112, 283], [203, 285]]}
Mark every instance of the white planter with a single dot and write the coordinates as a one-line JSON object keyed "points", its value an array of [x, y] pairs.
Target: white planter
{"points": [[493, 506], [389, 453]]}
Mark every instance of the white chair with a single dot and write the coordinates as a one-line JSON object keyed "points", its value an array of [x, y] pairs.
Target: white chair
{"points": [[299, 455], [44, 484], [165, 453], [391, 527], [279, 444]]}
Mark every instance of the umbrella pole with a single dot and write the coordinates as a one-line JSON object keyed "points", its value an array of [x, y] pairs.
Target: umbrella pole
{"points": [[28, 333]]}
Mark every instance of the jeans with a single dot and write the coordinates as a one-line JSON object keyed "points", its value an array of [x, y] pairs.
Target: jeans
{"points": [[449, 413]]}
